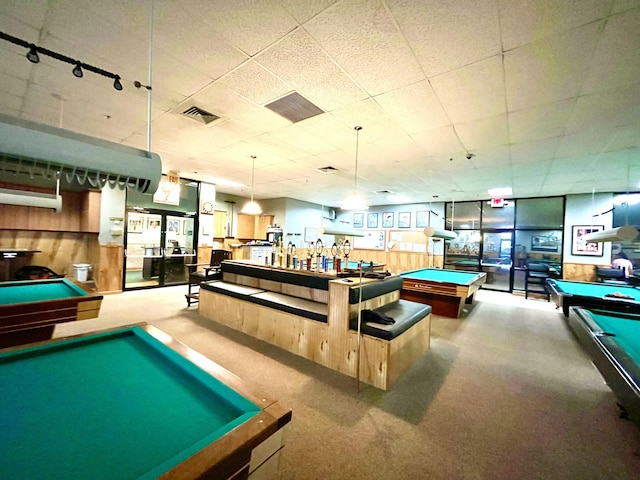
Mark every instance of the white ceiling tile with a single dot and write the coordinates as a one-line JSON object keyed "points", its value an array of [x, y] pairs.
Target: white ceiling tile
{"points": [[414, 107], [551, 69], [303, 10], [484, 133], [255, 83], [533, 152], [526, 21], [472, 92], [537, 123], [620, 35], [364, 40], [448, 36], [300, 62]]}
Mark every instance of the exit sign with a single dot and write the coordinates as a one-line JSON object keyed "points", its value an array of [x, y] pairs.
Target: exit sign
{"points": [[497, 202]]}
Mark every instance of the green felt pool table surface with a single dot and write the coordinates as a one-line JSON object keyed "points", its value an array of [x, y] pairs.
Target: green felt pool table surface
{"points": [[38, 291], [113, 405], [443, 275], [593, 295], [612, 340]]}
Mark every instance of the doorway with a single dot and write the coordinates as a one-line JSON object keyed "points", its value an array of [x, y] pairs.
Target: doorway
{"points": [[496, 260], [159, 245]]}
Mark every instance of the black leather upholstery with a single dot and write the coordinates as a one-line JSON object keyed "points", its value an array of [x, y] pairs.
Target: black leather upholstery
{"points": [[405, 314]]}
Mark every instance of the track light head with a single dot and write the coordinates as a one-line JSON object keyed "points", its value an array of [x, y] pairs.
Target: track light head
{"points": [[77, 70], [116, 83], [32, 54]]}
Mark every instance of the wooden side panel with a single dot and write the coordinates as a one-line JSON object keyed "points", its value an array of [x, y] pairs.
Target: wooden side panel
{"points": [[579, 272], [110, 268]]}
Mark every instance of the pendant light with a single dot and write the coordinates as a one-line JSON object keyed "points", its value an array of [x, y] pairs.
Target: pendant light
{"points": [[252, 208], [355, 202]]}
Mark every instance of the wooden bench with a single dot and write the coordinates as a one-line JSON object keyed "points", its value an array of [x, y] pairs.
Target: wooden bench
{"points": [[316, 316]]}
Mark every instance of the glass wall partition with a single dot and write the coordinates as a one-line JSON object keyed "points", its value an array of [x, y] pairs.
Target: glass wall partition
{"points": [[160, 236], [502, 241]]}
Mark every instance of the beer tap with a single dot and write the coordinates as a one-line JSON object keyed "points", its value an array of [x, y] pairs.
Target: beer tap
{"points": [[310, 251]]}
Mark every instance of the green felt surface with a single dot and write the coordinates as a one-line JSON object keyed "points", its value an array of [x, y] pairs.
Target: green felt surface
{"points": [[38, 291], [626, 331], [442, 275], [109, 406], [595, 289]]}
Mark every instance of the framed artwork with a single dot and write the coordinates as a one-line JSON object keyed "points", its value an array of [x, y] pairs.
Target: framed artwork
{"points": [[135, 225], [372, 220], [545, 243], [153, 224], [387, 220], [580, 247], [404, 220], [358, 220], [422, 219], [173, 226]]}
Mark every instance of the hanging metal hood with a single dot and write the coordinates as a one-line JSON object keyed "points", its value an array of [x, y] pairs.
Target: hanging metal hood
{"points": [[29, 150]]}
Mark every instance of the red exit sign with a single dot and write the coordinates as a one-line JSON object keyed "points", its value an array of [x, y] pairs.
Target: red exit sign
{"points": [[497, 202]]}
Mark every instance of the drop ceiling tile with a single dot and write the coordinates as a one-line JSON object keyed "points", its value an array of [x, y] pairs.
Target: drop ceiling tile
{"points": [[533, 152], [439, 141], [527, 21], [616, 60], [472, 92], [303, 11], [364, 40], [414, 107], [249, 25], [300, 62], [484, 133], [538, 123], [29, 14], [10, 85], [605, 110], [448, 36], [294, 135], [255, 83], [549, 70]]}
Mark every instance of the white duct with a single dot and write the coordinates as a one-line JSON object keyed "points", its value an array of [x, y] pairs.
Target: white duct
{"points": [[626, 233], [30, 199], [439, 233]]}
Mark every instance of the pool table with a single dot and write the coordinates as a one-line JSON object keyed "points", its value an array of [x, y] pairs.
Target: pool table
{"points": [[612, 340], [130, 403], [29, 310], [566, 294], [447, 291]]}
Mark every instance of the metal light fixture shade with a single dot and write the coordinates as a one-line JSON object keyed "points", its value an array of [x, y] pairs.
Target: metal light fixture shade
{"points": [[252, 208], [354, 202], [626, 233], [32, 54], [116, 83], [77, 71], [439, 233]]}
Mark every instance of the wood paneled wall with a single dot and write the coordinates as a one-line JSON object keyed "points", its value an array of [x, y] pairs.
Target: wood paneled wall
{"points": [[58, 250]]}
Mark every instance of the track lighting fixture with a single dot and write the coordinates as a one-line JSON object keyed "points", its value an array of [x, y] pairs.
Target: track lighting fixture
{"points": [[34, 52], [116, 83], [77, 70]]}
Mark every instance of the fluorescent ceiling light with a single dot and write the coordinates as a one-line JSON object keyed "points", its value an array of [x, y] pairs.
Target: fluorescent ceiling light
{"points": [[226, 183], [398, 198], [500, 192]]}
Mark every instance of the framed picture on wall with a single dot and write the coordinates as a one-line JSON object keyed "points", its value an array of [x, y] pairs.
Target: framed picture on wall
{"points": [[372, 220], [404, 220], [578, 244], [387, 220], [422, 219], [135, 225], [358, 220]]}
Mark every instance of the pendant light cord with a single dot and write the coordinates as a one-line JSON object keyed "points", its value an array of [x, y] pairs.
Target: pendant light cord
{"points": [[357, 129], [253, 173]]}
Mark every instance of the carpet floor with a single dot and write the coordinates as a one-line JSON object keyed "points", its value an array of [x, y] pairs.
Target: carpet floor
{"points": [[504, 393]]}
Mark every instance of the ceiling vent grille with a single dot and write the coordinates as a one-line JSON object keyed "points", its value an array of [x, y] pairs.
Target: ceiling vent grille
{"points": [[384, 192], [328, 169], [294, 107], [199, 115]]}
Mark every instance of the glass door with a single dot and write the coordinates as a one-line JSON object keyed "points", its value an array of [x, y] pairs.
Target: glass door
{"points": [[497, 259], [158, 249]]}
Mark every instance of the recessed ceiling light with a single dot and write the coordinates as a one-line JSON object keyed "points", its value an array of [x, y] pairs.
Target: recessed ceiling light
{"points": [[500, 192]]}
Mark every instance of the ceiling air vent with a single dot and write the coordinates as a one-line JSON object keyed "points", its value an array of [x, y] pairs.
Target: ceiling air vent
{"points": [[328, 169], [199, 115], [384, 192], [294, 107]]}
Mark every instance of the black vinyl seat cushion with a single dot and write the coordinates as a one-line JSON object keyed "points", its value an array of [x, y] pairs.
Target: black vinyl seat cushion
{"points": [[405, 314]]}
